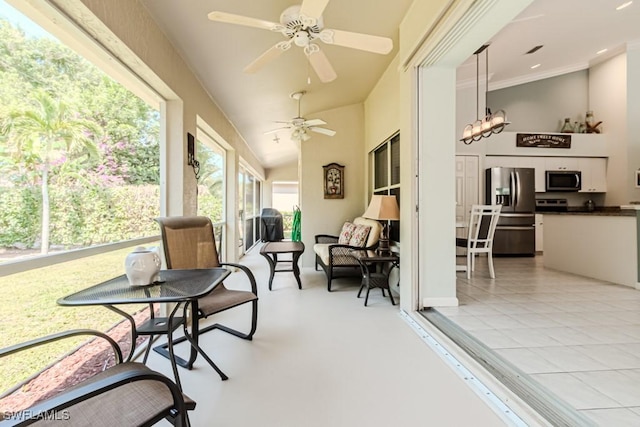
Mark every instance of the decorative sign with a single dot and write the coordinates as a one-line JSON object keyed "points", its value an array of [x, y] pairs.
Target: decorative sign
{"points": [[543, 140], [333, 181]]}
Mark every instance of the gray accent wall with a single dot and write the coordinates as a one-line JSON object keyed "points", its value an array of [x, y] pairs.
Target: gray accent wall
{"points": [[541, 106]]}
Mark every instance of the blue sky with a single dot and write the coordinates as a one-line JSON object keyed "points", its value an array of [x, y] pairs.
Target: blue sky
{"points": [[19, 20]]}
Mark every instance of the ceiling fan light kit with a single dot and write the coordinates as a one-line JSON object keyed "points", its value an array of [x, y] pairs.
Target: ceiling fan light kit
{"points": [[299, 126], [303, 26], [492, 123]]}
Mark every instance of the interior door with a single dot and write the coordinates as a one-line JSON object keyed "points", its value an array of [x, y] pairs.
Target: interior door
{"points": [[467, 192]]}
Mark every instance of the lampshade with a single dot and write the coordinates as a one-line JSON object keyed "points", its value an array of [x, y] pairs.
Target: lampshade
{"points": [[383, 208]]}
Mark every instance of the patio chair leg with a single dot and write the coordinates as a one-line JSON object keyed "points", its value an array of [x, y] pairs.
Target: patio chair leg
{"points": [[366, 298], [492, 273], [148, 349], [206, 357]]}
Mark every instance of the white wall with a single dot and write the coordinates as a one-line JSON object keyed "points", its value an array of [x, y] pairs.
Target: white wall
{"points": [[608, 100], [326, 216], [382, 109], [633, 117]]}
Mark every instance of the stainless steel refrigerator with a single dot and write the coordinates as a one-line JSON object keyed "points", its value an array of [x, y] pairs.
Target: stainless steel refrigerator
{"points": [[514, 189]]}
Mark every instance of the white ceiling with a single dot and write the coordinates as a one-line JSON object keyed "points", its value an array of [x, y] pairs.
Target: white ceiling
{"points": [[572, 31]]}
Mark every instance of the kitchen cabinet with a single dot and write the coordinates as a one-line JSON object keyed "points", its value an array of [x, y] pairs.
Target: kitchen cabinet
{"points": [[594, 174], [562, 163], [539, 232], [594, 169], [538, 163]]}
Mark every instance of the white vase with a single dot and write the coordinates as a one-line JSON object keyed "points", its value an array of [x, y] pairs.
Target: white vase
{"points": [[142, 266]]}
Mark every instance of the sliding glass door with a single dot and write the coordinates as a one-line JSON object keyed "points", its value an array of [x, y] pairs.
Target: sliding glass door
{"points": [[249, 207]]}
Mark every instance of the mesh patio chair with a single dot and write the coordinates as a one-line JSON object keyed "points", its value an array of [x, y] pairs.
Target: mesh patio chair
{"points": [[188, 243], [126, 394]]}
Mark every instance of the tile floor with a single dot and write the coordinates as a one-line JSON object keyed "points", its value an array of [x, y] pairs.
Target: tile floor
{"points": [[578, 337]]}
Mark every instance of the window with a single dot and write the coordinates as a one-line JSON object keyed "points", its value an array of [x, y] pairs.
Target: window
{"points": [[80, 162], [211, 185], [386, 175], [250, 205]]}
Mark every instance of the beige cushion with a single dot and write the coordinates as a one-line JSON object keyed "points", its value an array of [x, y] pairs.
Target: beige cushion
{"points": [[322, 250], [374, 233]]}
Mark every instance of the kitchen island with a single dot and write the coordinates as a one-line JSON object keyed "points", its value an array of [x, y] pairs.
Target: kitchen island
{"points": [[602, 244]]}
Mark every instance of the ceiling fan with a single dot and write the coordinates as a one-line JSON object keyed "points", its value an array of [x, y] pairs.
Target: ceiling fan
{"points": [[300, 127], [303, 26]]}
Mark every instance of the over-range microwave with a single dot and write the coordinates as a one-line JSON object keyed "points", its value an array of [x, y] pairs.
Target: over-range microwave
{"points": [[563, 180]]}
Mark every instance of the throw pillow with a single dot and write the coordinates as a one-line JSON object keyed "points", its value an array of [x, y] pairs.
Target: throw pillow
{"points": [[346, 233], [359, 236]]}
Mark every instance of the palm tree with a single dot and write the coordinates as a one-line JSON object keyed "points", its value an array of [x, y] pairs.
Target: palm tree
{"points": [[48, 132]]}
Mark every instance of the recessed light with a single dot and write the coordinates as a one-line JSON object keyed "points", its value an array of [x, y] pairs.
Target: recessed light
{"points": [[623, 5], [601, 51], [533, 67]]}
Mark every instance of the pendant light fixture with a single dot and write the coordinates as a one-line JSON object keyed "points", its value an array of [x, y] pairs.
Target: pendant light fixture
{"points": [[491, 123]]}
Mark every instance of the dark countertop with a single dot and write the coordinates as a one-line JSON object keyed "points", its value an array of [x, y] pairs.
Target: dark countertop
{"points": [[599, 211]]}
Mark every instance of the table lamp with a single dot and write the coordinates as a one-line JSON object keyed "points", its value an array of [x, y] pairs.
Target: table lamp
{"points": [[383, 209]]}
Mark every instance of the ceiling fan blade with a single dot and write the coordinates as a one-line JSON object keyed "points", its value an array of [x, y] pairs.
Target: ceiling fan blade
{"points": [[269, 55], [314, 122], [323, 131], [368, 42], [231, 18], [277, 130], [322, 66], [313, 8]]}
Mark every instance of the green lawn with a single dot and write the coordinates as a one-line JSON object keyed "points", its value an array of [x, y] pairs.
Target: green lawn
{"points": [[30, 310]]}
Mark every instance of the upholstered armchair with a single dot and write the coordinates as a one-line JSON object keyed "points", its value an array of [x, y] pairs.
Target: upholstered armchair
{"points": [[332, 252]]}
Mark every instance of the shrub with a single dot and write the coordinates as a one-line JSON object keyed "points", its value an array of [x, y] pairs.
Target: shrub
{"points": [[79, 216]]}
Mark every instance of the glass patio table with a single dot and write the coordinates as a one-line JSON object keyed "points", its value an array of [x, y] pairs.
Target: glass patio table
{"points": [[175, 286]]}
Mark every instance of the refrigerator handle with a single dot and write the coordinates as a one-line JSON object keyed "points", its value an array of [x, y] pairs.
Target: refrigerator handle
{"points": [[518, 188], [514, 197]]}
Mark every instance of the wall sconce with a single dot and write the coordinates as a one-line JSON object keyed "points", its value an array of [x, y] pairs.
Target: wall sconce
{"points": [[491, 123], [191, 155]]}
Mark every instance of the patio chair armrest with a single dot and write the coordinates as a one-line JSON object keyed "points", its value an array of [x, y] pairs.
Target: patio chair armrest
{"points": [[326, 238], [59, 336], [245, 269]]}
